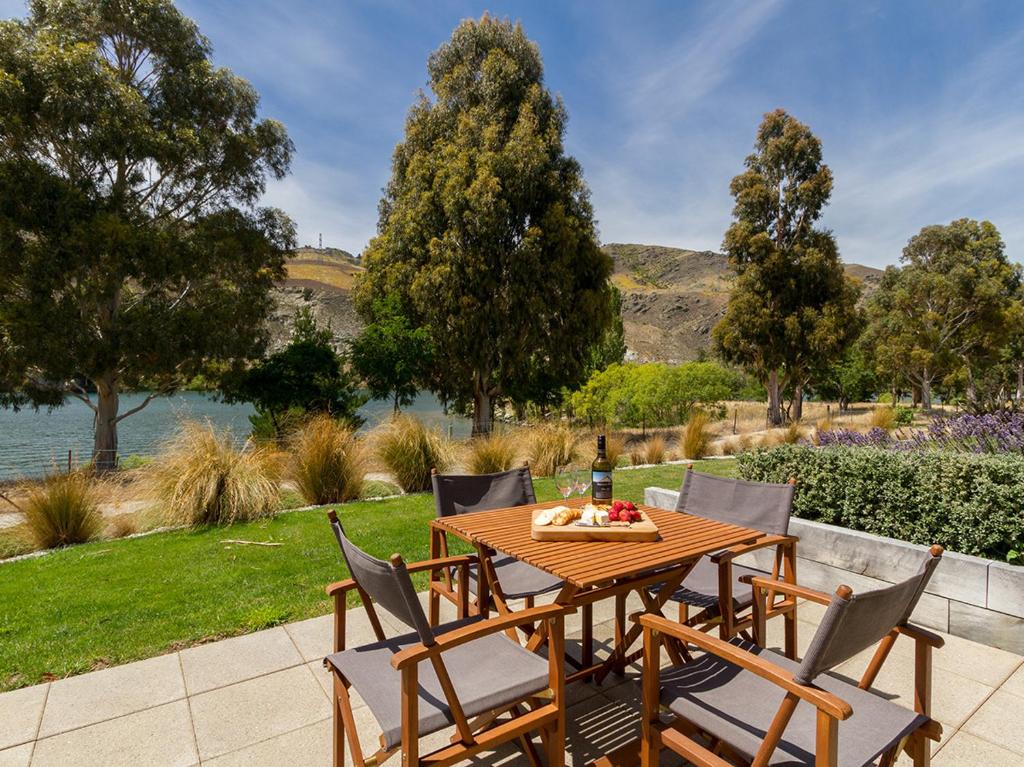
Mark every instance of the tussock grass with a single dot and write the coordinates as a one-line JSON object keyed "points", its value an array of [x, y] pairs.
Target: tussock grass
{"points": [[327, 462], [741, 443], [614, 446], [61, 510], [883, 418], [491, 454], [410, 450], [550, 448], [792, 434], [201, 478], [695, 439]]}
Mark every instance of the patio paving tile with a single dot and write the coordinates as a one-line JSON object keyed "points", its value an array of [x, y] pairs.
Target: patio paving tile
{"points": [[315, 637], [18, 756], [20, 714], [1015, 683], [1001, 721], [323, 676], [156, 737], [308, 746], [230, 718], [963, 748], [100, 695], [229, 661]]}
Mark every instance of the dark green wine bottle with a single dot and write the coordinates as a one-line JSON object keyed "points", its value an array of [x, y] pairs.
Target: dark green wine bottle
{"points": [[601, 475]]}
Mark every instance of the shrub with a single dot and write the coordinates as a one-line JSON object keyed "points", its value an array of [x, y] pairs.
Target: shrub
{"points": [[410, 450], [493, 453], [738, 444], [904, 416], [61, 510], [792, 434], [201, 478], [696, 437], [969, 503], [883, 418], [550, 448], [327, 462]]}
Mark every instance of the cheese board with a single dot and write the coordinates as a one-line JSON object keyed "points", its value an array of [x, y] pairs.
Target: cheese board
{"points": [[642, 531]]}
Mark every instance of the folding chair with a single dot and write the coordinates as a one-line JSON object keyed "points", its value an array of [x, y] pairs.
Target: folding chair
{"points": [[740, 704], [467, 673]]}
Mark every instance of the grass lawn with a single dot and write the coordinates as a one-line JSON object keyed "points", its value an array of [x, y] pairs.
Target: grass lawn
{"points": [[111, 602]]}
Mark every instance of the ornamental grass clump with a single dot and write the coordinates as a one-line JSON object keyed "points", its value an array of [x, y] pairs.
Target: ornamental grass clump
{"points": [[614, 447], [61, 510], [696, 436], [883, 418], [550, 448], [201, 478], [410, 450], [327, 462], [492, 453]]}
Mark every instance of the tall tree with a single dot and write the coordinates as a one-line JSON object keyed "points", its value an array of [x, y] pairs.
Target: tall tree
{"points": [[791, 307], [486, 231], [946, 311], [130, 245]]}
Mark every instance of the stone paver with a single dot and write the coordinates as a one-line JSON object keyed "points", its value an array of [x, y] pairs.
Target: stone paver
{"points": [[264, 699], [20, 714], [100, 695], [157, 736]]}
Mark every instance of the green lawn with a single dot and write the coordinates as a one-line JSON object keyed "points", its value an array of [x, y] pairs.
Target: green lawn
{"points": [[112, 602]]}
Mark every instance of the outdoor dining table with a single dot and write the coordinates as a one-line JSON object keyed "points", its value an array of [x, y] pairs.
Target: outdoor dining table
{"points": [[593, 571]]}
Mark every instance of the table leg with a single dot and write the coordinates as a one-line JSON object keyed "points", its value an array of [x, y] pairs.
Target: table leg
{"points": [[483, 594], [587, 640]]}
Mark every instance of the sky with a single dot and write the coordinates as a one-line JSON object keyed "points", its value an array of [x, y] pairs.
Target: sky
{"points": [[919, 105]]}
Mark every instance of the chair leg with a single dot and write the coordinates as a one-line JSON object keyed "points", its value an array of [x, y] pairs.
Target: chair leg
{"points": [[789, 619], [684, 612], [920, 750], [338, 732], [345, 725], [434, 600], [556, 743]]}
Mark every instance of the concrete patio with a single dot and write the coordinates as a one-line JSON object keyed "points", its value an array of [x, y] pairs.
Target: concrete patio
{"points": [[262, 699]]}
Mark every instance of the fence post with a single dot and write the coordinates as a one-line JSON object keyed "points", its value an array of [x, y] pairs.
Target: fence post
{"points": [[69, 461]]}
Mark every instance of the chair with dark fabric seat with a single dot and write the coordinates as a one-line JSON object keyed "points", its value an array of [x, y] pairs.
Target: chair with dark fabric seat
{"points": [[463, 494], [713, 586], [467, 673], [759, 708]]}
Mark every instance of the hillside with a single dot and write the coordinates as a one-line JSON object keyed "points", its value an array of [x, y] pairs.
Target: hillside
{"points": [[671, 298]]}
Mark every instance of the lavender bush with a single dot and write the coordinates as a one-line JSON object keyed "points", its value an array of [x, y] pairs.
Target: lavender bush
{"points": [[992, 433]]}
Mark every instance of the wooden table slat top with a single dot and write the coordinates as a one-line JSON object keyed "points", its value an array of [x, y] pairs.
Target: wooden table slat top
{"points": [[590, 563]]}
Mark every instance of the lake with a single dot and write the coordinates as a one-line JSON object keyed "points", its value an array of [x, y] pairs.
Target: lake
{"points": [[34, 442]]}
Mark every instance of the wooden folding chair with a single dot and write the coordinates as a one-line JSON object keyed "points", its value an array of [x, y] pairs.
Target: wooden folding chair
{"points": [[467, 673], [741, 704]]}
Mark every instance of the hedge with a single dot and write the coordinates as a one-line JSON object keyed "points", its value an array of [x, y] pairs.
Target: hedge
{"points": [[967, 502]]}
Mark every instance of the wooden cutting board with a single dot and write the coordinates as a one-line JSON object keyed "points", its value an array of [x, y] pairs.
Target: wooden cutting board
{"points": [[644, 530]]}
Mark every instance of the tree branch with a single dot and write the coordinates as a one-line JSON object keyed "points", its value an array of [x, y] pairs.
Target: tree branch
{"points": [[149, 398]]}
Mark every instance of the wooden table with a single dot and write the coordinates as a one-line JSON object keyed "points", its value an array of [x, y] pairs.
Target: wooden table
{"points": [[594, 570]]}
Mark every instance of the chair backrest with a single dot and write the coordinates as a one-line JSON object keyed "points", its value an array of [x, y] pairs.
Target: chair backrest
{"points": [[854, 622], [387, 583], [761, 506], [465, 493]]}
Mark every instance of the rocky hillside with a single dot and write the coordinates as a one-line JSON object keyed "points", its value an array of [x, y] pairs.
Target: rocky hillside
{"points": [[671, 298]]}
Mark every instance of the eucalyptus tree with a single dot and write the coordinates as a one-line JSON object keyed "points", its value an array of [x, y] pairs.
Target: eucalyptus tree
{"points": [[132, 250], [791, 308], [486, 232]]}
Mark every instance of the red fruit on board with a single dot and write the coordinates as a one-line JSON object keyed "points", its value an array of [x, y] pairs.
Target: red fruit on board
{"points": [[617, 506], [635, 516], [630, 505], [613, 515]]}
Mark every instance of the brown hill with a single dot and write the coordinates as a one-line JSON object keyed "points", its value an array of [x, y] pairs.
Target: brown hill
{"points": [[671, 297]]}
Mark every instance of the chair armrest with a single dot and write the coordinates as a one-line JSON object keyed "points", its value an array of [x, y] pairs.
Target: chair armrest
{"points": [[472, 631], [921, 635], [441, 563], [341, 587], [821, 699], [790, 589], [727, 555]]}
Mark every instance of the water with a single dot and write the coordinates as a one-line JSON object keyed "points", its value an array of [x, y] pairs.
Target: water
{"points": [[34, 442]]}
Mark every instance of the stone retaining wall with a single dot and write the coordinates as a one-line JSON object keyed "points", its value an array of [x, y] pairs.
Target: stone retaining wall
{"points": [[978, 599]]}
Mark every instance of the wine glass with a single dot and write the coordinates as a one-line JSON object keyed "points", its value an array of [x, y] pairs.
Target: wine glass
{"points": [[565, 482], [582, 483]]}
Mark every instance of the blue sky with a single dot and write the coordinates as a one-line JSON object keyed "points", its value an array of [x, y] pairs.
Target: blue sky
{"points": [[918, 104]]}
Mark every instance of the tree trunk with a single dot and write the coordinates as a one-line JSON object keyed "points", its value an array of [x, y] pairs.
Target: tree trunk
{"points": [[774, 405], [971, 391], [104, 446], [1020, 382], [395, 411], [926, 392], [798, 402], [482, 407]]}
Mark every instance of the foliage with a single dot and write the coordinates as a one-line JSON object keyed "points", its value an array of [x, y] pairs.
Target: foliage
{"points": [[61, 510], [307, 376], [130, 171], [883, 417], [410, 450], [904, 416], [550, 448], [327, 462], [653, 393], [965, 502], [391, 355], [946, 309], [851, 379], [486, 230], [491, 453], [201, 478], [696, 436], [791, 309], [611, 348]]}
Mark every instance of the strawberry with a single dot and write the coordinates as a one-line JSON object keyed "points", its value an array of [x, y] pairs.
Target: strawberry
{"points": [[613, 515], [630, 506], [617, 506]]}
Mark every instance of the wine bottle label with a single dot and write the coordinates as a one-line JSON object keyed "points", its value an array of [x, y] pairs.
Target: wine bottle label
{"points": [[601, 486]]}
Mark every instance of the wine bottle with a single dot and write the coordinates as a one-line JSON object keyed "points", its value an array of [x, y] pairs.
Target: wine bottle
{"points": [[601, 475]]}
